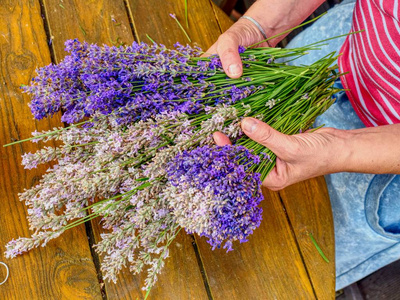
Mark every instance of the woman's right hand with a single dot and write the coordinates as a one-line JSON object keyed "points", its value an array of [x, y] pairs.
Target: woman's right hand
{"points": [[242, 33], [274, 16]]}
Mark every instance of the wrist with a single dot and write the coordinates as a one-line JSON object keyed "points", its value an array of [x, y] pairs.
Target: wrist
{"points": [[373, 150], [259, 27], [336, 151], [342, 151], [276, 16]]}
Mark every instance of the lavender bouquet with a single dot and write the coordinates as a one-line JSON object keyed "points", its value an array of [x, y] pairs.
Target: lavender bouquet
{"points": [[139, 153]]}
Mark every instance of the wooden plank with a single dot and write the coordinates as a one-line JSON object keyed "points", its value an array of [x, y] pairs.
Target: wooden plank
{"points": [[308, 208], [223, 21], [179, 280], [155, 22], [104, 22], [316, 204], [352, 292], [152, 18], [227, 6], [64, 268], [268, 266]]}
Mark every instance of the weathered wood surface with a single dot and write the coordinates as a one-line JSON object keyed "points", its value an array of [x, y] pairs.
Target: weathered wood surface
{"points": [[152, 18], [64, 269], [269, 266], [107, 22], [308, 208], [279, 261]]}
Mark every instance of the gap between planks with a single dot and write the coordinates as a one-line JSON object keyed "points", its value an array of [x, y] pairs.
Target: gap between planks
{"points": [[96, 259], [88, 225], [130, 19], [46, 26], [216, 16], [201, 267]]}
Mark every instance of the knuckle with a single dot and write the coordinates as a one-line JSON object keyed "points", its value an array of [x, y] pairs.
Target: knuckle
{"points": [[227, 40], [293, 148], [230, 35], [227, 52]]}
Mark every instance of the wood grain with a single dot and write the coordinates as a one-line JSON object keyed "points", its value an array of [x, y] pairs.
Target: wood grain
{"points": [[64, 269], [152, 18], [180, 279], [308, 208], [278, 260], [105, 22], [268, 266], [102, 22], [223, 21]]}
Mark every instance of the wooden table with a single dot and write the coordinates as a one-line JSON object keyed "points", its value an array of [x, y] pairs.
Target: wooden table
{"points": [[278, 262]]}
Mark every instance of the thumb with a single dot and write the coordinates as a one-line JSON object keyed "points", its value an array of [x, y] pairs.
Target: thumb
{"points": [[227, 49], [265, 135]]}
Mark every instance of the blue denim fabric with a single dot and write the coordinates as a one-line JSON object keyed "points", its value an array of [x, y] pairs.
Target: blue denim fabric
{"points": [[366, 207]]}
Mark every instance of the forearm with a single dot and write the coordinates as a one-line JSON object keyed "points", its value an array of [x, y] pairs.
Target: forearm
{"points": [[372, 150], [276, 16]]}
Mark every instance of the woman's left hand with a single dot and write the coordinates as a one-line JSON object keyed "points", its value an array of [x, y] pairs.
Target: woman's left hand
{"points": [[300, 156]]}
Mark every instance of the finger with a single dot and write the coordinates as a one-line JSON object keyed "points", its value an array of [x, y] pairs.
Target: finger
{"points": [[279, 143], [227, 49], [212, 50], [277, 179], [221, 139]]}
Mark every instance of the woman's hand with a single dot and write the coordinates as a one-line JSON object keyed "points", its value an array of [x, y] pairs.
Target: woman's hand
{"points": [[326, 150], [299, 156], [242, 33], [274, 17]]}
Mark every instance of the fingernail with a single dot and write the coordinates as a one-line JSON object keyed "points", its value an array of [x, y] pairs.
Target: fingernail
{"points": [[234, 69], [249, 125]]}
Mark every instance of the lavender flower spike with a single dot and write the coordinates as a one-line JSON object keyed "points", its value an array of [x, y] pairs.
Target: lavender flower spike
{"points": [[214, 194]]}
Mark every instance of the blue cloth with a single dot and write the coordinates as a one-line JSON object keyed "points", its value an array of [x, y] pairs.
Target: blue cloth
{"points": [[366, 207]]}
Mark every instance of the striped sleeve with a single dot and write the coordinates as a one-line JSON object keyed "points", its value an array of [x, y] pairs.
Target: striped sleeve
{"points": [[372, 60]]}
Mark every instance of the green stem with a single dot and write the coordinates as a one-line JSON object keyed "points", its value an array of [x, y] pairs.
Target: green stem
{"points": [[183, 29], [46, 134], [318, 248], [186, 14], [162, 257]]}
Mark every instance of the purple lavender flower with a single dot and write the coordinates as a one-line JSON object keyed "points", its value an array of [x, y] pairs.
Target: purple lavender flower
{"points": [[216, 194], [133, 83], [241, 49]]}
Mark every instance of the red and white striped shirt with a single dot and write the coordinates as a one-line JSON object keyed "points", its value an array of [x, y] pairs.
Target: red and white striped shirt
{"points": [[372, 59]]}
